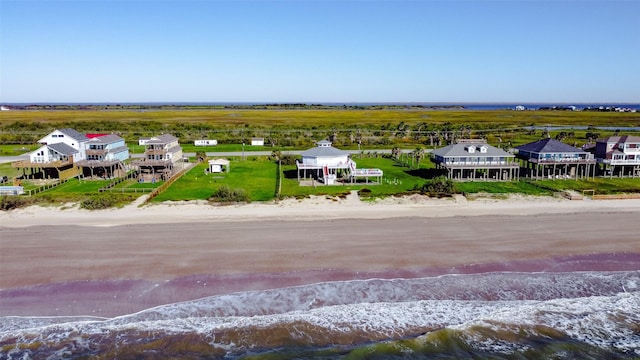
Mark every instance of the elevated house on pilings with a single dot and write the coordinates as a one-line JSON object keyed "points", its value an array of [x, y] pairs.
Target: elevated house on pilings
{"points": [[552, 159], [327, 164], [105, 156], [57, 157], [324, 163], [162, 154], [619, 155], [476, 160]]}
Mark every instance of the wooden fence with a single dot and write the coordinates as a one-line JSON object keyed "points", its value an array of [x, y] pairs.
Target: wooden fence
{"points": [[615, 196], [167, 183]]}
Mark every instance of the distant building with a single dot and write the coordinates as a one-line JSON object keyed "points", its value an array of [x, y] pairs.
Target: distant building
{"points": [[257, 141], [205, 142], [143, 140]]}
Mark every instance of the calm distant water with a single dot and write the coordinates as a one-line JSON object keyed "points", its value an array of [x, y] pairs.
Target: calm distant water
{"points": [[470, 106]]}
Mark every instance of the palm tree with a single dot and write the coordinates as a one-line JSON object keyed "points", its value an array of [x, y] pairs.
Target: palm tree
{"points": [[201, 156], [275, 155], [395, 152], [418, 154]]}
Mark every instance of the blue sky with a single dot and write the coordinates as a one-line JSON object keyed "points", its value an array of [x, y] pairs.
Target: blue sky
{"points": [[320, 51]]}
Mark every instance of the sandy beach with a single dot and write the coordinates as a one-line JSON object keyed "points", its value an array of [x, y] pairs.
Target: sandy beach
{"points": [[70, 255]]}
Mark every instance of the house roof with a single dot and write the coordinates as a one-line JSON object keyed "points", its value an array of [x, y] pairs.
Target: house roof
{"points": [[105, 139], [621, 139], [548, 146], [324, 151], [219, 162], [73, 134], [460, 150], [91, 136], [162, 139], [62, 148]]}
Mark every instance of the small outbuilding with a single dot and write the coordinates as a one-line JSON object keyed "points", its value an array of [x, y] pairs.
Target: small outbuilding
{"points": [[257, 141], [219, 165]]}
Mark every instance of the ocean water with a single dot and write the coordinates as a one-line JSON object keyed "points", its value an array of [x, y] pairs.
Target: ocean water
{"points": [[492, 315]]}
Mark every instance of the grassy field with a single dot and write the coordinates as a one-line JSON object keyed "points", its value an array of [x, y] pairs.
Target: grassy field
{"points": [[297, 129], [257, 178], [300, 128], [307, 118], [397, 179], [515, 187]]}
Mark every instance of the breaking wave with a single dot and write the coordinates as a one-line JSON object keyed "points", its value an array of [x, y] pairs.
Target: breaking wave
{"points": [[492, 315]]}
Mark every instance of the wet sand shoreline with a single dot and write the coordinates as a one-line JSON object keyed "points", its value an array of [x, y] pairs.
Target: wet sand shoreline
{"points": [[45, 267]]}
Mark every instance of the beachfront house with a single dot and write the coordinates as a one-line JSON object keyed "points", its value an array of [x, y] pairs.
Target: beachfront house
{"points": [[326, 163], [57, 157], [475, 160], [551, 159], [162, 154], [619, 155], [105, 156]]}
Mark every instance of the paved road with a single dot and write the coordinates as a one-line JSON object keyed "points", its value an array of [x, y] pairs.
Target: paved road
{"points": [[9, 159]]}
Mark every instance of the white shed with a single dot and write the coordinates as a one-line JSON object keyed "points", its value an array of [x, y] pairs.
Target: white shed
{"points": [[218, 165], [257, 141]]}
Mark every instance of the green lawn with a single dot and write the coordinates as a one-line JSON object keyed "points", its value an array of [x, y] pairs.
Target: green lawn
{"points": [[9, 171], [493, 187], [15, 149], [257, 178], [600, 185], [397, 179], [79, 187], [548, 187], [133, 184]]}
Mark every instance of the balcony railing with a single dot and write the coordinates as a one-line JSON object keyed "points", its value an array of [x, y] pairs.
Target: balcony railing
{"points": [[96, 152], [563, 161], [481, 163], [620, 161], [41, 164]]}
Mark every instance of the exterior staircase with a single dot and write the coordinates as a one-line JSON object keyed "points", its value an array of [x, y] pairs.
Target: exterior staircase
{"points": [[72, 172]]}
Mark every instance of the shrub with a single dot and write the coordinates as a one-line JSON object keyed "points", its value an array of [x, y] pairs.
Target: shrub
{"points": [[439, 186], [97, 202], [106, 200], [227, 194], [288, 159], [8, 202]]}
